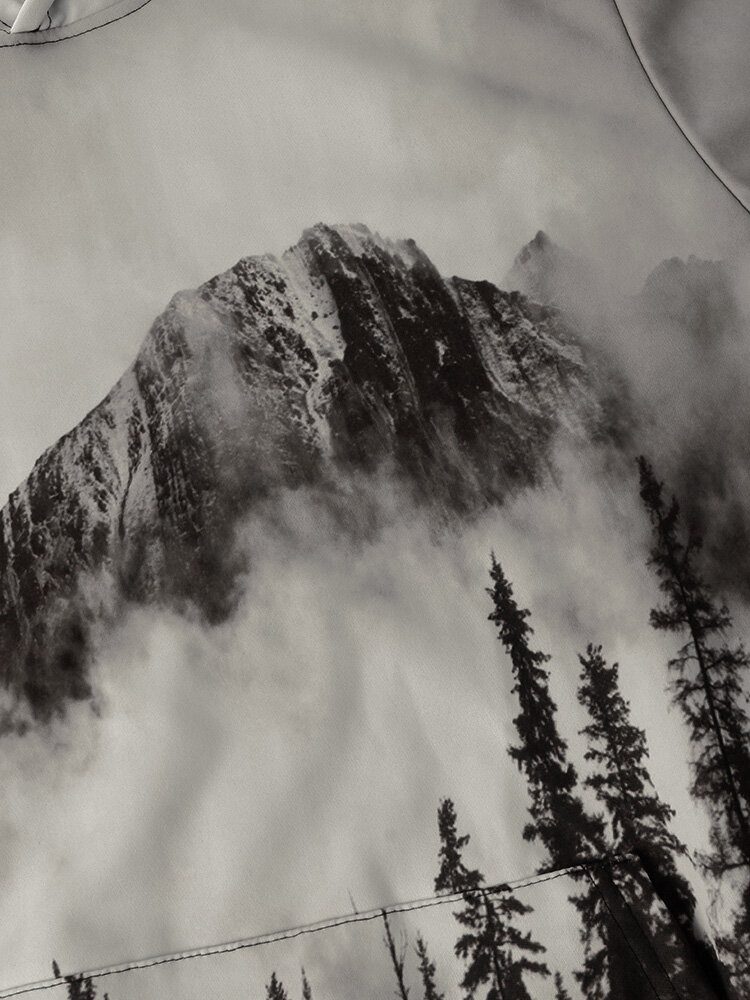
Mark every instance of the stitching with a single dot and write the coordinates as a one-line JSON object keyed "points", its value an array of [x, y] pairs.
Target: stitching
{"points": [[647, 939], [315, 928], [714, 170], [76, 34], [624, 935]]}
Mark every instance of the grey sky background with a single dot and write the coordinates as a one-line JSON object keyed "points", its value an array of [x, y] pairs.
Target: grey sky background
{"points": [[141, 159], [352, 959]]}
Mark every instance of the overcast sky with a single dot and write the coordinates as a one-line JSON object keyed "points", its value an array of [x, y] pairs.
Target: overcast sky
{"points": [[144, 157]]}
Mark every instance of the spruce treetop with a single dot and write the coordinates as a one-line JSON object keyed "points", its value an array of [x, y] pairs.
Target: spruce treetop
{"points": [[275, 989], [558, 817]]}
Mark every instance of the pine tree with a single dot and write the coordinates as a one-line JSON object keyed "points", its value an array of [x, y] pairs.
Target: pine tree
{"points": [[306, 988], [639, 819], [80, 987], [621, 781], [453, 875], [427, 972], [707, 673], [398, 958], [559, 819], [496, 952], [708, 677], [275, 989]]}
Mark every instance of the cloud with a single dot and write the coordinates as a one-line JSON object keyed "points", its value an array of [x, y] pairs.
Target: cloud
{"points": [[255, 774]]}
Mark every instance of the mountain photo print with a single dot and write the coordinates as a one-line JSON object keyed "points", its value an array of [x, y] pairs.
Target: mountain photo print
{"points": [[375, 515]]}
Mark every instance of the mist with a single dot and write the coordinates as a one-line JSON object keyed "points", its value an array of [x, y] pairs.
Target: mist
{"points": [[268, 771], [675, 351]]}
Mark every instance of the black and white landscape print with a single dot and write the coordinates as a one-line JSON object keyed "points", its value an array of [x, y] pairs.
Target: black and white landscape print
{"points": [[367, 585], [515, 940]]}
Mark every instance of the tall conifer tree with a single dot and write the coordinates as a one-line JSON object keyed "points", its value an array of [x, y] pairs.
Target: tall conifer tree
{"points": [[621, 780], [708, 674], [427, 972], [496, 952], [639, 818], [708, 678], [559, 819], [275, 989]]}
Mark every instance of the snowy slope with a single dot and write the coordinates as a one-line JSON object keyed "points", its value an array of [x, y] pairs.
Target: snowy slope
{"points": [[346, 352]]}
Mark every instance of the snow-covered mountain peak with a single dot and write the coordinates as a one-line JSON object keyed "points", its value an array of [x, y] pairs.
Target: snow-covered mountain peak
{"points": [[346, 355]]}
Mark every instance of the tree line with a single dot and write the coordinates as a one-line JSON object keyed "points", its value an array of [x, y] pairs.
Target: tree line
{"points": [[634, 905]]}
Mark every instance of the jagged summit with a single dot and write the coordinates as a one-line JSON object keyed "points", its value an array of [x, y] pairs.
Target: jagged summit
{"points": [[361, 240], [347, 354], [547, 272], [540, 244]]}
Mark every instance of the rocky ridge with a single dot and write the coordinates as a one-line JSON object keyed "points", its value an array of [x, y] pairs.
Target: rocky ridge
{"points": [[349, 353]]}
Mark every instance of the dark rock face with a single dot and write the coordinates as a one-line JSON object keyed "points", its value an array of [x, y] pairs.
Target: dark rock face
{"points": [[346, 353]]}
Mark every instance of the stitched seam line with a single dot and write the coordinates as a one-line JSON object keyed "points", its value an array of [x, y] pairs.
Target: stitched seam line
{"points": [[716, 171], [74, 34], [625, 937], [323, 925], [646, 939]]}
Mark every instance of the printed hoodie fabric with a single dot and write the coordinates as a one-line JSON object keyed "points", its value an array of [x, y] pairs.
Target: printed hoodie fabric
{"points": [[374, 566]]}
